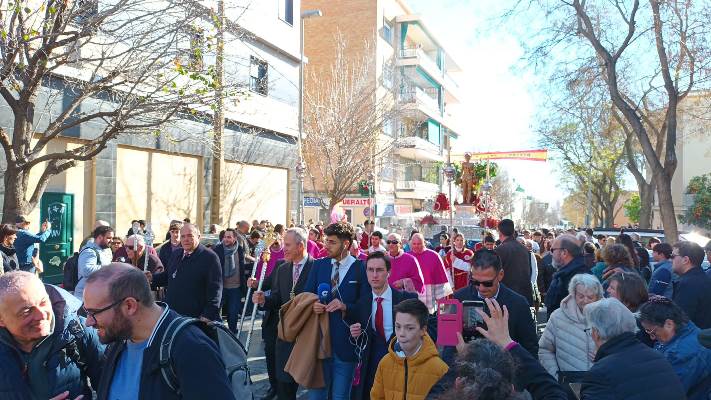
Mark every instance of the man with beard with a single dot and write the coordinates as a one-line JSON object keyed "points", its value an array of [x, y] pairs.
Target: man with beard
{"points": [[118, 303], [44, 350], [92, 256], [568, 261]]}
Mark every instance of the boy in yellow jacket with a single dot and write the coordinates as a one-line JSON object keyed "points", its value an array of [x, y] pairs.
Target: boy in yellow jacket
{"points": [[412, 366]]}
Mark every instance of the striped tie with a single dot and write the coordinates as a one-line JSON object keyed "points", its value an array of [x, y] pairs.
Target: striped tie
{"points": [[335, 278]]}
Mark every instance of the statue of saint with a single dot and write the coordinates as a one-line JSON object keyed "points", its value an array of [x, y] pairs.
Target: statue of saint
{"points": [[468, 180]]}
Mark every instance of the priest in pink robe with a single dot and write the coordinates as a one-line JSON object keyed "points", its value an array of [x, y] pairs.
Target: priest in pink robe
{"points": [[405, 273], [437, 285]]}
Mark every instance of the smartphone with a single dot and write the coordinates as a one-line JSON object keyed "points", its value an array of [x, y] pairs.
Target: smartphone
{"points": [[471, 318], [449, 321]]}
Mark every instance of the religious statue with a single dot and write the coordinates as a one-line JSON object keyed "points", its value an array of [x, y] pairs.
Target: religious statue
{"points": [[468, 180]]}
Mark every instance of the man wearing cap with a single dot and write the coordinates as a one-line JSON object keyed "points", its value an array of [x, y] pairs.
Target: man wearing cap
{"points": [[24, 244]]}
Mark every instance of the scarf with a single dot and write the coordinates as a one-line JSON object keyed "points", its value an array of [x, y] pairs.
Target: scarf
{"points": [[229, 267]]}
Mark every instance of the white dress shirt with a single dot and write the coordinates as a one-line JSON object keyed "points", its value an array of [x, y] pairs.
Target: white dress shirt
{"points": [[388, 323], [343, 267]]}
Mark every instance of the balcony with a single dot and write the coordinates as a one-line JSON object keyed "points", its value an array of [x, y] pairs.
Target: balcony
{"points": [[413, 57], [415, 148], [416, 190], [421, 104]]}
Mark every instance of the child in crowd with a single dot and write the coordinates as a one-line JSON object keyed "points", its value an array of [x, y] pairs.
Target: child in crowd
{"points": [[412, 368]]}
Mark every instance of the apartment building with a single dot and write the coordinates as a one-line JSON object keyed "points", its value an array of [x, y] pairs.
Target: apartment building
{"points": [[415, 65]]}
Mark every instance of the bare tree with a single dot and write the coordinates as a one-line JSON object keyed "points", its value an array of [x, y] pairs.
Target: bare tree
{"points": [[501, 195], [119, 67], [588, 144], [654, 53], [345, 115]]}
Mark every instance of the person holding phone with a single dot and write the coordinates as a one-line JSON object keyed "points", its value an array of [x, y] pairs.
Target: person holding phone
{"points": [[25, 242], [346, 278], [485, 283]]}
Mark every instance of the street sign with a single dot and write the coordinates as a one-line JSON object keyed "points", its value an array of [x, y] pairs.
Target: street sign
{"points": [[385, 210], [356, 201], [312, 202]]}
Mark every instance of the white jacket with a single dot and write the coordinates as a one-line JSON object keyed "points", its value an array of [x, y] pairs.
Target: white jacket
{"points": [[564, 345]]}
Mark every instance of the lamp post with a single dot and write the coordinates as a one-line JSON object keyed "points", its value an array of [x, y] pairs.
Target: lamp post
{"points": [[301, 165], [486, 188], [449, 173], [300, 173], [371, 187]]}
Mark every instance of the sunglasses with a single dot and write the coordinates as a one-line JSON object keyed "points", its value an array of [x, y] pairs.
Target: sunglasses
{"points": [[392, 242], [483, 283]]}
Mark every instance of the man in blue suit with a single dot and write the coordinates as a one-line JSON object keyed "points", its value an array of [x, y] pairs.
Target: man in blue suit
{"points": [[346, 278], [378, 312]]}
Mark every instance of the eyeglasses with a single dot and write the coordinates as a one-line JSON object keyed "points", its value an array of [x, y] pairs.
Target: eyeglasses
{"points": [[392, 241], [93, 313], [483, 283]]}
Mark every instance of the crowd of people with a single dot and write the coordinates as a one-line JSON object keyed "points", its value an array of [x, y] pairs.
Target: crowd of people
{"points": [[352, 313]]}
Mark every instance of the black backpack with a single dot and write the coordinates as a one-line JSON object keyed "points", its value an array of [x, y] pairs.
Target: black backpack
{"points": [[71, 270], [231, 351]]}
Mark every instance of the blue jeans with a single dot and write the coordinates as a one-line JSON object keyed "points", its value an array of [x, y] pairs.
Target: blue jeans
{"points": [[232, 302], [339, 378]]}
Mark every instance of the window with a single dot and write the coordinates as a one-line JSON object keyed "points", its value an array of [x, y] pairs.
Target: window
{"points": [[388, 127], [85, 9], [387, 31], [258, 76], [286, 11], [387, 74]]}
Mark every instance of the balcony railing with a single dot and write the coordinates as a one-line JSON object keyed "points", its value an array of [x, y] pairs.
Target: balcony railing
{"points": [[426, 61], [426, 97]]}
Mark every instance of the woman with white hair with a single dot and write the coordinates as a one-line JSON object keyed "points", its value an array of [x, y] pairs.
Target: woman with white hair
{"points": [[565, 346]]}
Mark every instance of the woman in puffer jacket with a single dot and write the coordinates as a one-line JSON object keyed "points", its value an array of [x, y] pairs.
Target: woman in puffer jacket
{"points": [[565, 345], [678, 339]]}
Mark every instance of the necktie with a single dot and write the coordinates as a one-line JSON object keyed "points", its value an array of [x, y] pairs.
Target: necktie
{"points": [[297, 272], [379, 318], [334, 276]]}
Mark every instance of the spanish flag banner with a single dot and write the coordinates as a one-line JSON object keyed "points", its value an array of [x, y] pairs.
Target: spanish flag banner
{"points": [[529, 155]]}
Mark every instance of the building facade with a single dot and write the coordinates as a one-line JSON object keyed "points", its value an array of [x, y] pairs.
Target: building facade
{"points": [[693, 151], [160, 178], [411, 62]]}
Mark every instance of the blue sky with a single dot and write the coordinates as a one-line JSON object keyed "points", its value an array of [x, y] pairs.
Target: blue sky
{"points": [[498, 111]]}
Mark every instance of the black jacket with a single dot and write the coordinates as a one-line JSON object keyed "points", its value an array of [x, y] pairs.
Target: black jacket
{"points": [[370, 364], [626, 369], [521, 326], [193, 284], [516, 261], [692, 292], [165, 252], [531, 375], [281, 280], [561, 279], [196, 360]]}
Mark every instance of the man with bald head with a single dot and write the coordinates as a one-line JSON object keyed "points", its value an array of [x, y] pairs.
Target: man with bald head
{"points": [[435, 278], [568, 260], [44, 349], [118, 303], [154, 264], [193, 278]]}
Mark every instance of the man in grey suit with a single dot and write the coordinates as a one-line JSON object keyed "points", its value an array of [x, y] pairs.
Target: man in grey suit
{"points": [[286, 282]]}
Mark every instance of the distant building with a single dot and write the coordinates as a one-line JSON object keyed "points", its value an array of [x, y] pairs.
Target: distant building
{"points": [[408, 55]]}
